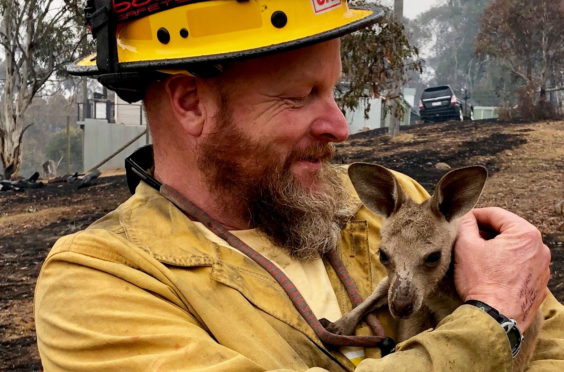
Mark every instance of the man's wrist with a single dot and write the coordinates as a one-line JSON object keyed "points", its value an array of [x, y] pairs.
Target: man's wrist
{"points": [[509, 325]]}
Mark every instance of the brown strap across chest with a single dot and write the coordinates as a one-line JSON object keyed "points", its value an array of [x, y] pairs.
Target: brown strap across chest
{"points": [[352, 290], [328, 338]]}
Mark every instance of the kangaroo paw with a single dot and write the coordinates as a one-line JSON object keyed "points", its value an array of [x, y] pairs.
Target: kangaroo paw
{"points": [[344, 326]]}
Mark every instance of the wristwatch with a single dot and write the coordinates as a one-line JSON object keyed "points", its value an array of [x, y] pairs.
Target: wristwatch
{"points": [[509, 325]]}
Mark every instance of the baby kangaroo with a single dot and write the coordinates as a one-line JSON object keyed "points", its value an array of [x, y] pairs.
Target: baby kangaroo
{"points": [[416, 249]]}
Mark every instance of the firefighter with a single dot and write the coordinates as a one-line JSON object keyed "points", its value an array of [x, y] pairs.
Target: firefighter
{"points": [[240, 235]]}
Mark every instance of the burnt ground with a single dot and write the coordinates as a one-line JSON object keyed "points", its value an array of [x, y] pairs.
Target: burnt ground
{"points": [[525, 163], [30, 222]]}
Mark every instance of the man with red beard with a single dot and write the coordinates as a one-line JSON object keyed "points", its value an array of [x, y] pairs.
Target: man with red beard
{"points": [[241, 234], [263, 153]]}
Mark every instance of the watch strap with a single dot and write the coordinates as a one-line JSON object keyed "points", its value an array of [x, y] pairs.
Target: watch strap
{"points": [[509, 325]]}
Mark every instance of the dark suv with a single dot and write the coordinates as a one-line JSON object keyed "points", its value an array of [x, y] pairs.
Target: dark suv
{"points": [[440, 104]]}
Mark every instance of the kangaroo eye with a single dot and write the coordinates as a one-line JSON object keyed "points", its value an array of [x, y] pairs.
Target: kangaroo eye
{"points": [[384, 259], [433, 259]]}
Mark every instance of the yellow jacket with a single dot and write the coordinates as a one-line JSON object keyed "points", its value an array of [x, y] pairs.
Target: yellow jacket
{"points": [[142, 289]]}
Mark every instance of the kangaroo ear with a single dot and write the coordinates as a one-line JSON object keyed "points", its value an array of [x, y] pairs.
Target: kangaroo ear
{"points": [[377, 188], [458, 191]]}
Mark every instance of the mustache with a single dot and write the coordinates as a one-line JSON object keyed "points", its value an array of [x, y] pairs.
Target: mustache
{"points": [[320, 151]]}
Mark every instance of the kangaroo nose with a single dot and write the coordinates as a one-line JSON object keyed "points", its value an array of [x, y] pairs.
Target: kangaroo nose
{"points": [[402, 298], [402, 307]]}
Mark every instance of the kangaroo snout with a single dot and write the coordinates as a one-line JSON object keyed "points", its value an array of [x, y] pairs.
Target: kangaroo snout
{"points": [[402, 308], [402, 299]]}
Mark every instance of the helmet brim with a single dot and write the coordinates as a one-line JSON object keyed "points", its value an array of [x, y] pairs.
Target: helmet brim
{"points": [[87, 66]]}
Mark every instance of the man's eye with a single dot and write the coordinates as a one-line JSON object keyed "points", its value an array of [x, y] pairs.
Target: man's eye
{"points": [[300, 99]]}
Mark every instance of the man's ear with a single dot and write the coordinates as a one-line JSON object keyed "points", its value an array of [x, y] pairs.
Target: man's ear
{"points": [[185, 103]]}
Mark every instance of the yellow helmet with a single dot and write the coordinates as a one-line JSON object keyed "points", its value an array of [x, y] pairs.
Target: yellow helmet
{"points": [[139, 40]]}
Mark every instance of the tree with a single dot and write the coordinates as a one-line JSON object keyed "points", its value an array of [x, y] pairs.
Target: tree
{"points": [[448, 32], [48, 116], [376, 62], [37, 39], [527, 37], [57, 148]]}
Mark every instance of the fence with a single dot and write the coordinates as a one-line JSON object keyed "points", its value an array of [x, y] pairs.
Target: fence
{"points": [[102, 139], [485, 112]]}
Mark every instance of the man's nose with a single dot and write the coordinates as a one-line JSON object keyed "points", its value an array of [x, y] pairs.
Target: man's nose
{"points": [[331, 125]]}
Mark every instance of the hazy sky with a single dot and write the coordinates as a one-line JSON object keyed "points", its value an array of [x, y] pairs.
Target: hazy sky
{"points": [[411, 8]]}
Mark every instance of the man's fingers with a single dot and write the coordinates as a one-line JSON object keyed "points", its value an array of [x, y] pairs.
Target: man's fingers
{"points": [[468, 227], [497, 219]]}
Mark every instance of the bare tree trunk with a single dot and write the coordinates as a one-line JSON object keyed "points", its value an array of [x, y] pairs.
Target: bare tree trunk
{"points": [[12, 129], [8, 126], [12, 151], [395, 120], [394, 128]]}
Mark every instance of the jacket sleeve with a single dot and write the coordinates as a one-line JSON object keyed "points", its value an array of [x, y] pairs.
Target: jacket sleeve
{"points": [[446, 348], [549, 352], [90, 320], [452, 346]]}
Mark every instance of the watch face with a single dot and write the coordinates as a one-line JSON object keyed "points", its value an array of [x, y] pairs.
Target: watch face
{"points": [[513, 334], [514, 337]]}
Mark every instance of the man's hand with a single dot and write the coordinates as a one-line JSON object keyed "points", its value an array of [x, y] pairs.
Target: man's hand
{"points": [[509, 272]]}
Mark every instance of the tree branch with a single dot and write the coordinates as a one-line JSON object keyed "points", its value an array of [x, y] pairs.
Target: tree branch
{"points": [[26, 128]]}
